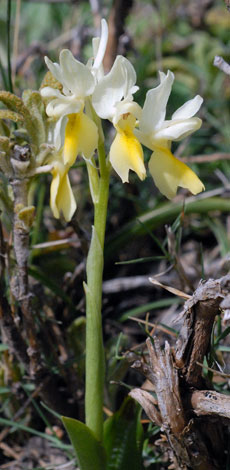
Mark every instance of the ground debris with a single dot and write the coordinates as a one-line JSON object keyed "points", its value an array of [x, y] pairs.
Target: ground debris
{"points": [[39, 453]]}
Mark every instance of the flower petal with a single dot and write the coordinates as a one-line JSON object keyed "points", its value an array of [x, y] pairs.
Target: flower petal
{"points": [[49, 92], [77, 76], [88, 138], [131, 77], [65, 200], [154, 109], [189, 108], [112, 88], [144, 139], [126, 154], [64, 105], [55, 69], [176, 130], [54, 187], [57, 134], [102, 45], [168, 173], [81, 135]]}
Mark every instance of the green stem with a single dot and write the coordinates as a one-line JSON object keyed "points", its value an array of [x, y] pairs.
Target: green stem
{"points": [[8, 23], [4, 77], [95, 367]]}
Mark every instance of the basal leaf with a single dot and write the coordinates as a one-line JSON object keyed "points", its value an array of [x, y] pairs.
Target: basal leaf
{"points": [[90, 453]]}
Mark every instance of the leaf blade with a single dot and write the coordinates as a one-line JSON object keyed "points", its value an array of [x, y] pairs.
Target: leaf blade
{"points": [[90, 452]]}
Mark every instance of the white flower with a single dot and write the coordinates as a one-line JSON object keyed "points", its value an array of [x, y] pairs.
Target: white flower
{"points": [[157, 134], [112, 99], [78, 82]]}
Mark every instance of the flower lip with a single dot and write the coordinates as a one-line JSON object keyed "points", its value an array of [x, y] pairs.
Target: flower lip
{"points": [[126, 154], [169, 173], [62, 199]]}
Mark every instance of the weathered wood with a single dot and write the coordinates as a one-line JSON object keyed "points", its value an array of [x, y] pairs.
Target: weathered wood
{"points": [[208, 402], [192, 419], [194, 339], [184, 438]]}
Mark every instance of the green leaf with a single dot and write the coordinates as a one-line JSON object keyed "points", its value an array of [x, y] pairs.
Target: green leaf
{"points": [[15, 425], [123, 438], [90, 453], [137, 311], [223, 335]]}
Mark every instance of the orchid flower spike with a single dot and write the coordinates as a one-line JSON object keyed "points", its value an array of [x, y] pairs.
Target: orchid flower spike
{"points": [[113, 99], [156, 133], [78, 83]]}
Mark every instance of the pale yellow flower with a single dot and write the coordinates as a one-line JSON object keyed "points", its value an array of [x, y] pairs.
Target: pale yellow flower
{"points": [[112, 99], [62, 200], [75, 132], [126, 152], [78, 83], [157, 134]]}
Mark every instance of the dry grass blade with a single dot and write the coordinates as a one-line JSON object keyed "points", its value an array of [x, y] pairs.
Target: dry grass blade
{"points": [[173, 290], [154, 326]]}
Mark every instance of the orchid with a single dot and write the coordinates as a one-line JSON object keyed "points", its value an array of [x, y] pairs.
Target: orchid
{"points": [[51, 161], [78, 83], [74, 132], [88, 96], [62, 199], [156, 133], [113, 99]]}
